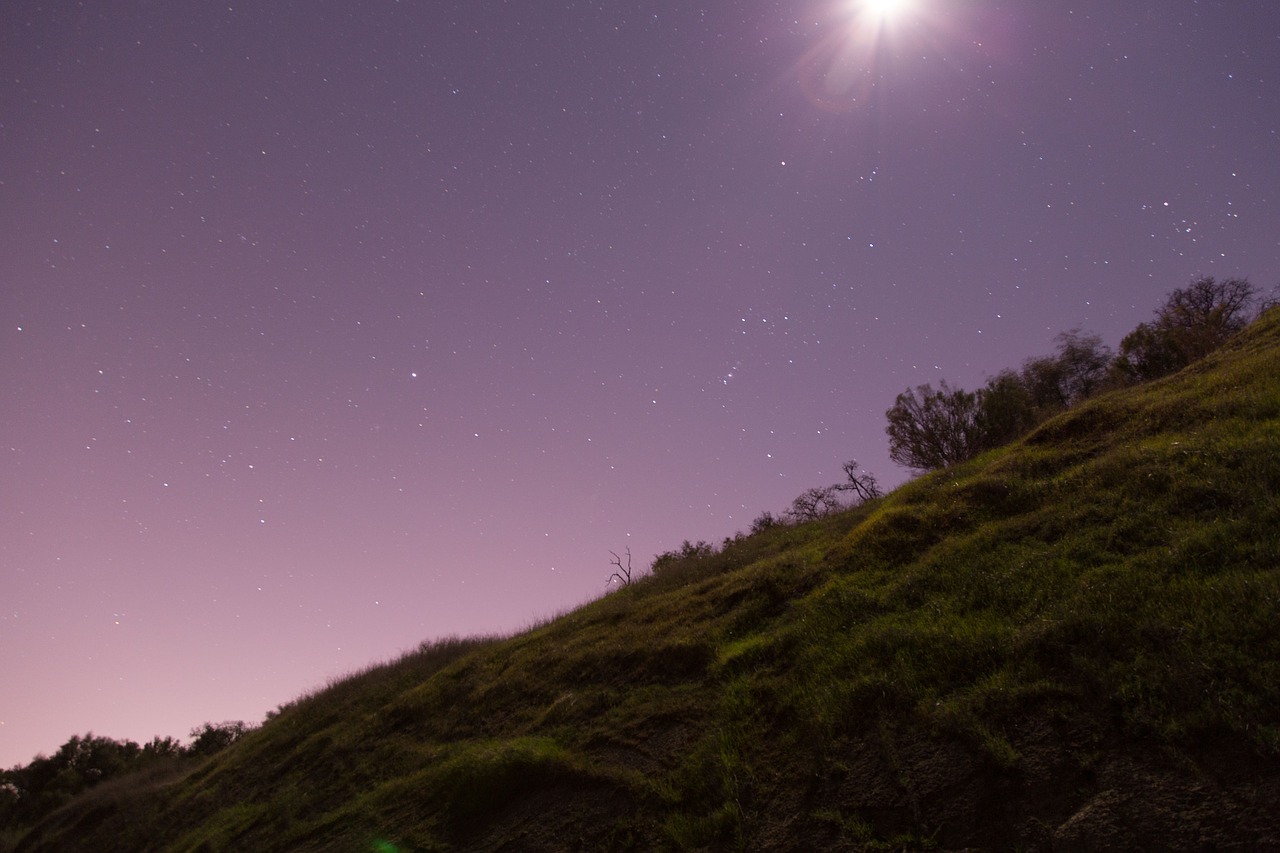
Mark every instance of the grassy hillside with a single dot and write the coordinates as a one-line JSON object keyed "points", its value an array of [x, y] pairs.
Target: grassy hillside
{"points": [[1071, 643]]}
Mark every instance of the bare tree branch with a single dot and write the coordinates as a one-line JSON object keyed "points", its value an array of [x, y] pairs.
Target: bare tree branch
{"points": [[863, 486], [623, 573]]}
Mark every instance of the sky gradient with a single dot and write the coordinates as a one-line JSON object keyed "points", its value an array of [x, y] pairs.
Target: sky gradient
{"points": [[332, 327]]}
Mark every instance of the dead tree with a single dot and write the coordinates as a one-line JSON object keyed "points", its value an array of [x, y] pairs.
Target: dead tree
{"points": [[864, 486], [622, 574]]}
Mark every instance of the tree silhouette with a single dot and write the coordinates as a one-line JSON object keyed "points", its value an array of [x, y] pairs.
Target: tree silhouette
{"points": [[814, 503], [622, 574], [1193, 322], [931, 428], [211, 738], [863, 485]]}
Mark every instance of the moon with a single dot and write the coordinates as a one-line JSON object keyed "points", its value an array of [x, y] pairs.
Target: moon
{"points": [[840, 70], [884, 11]]}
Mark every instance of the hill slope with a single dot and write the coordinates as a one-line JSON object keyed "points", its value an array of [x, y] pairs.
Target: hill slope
{"points": [[1067, 644]]}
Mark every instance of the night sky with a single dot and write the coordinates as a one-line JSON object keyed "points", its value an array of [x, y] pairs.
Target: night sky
{"points": [[331, 327]]}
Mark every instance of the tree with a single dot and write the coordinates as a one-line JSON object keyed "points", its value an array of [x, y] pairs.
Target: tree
{"points": [[863, 485], [814, 503], [1006, 410], [1193, 322], [29, 793], [162, 747], [621, 574], [1013, 402], [212, 738], [764, 521], [1145, 353], [931, 429], [1075, 373]]}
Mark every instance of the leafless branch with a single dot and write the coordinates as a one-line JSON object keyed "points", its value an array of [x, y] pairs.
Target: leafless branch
{"points": [[864, 486], [623, 573]]}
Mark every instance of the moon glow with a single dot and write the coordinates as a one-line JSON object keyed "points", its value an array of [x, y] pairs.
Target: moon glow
{"points": [[884, 11]]}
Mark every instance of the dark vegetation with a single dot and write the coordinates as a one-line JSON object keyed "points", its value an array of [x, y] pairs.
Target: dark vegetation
{"points": [[31, 792], [932, 428], [1067, 642]]}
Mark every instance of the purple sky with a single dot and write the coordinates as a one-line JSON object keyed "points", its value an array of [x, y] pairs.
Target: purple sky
{"points": [[330, 327]]}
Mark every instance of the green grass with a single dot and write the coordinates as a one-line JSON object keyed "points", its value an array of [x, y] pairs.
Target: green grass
{"points": [[961, 663]]}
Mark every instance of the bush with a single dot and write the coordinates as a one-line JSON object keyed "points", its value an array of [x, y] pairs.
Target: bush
{"points": [[215, 737], [688, 551]]}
